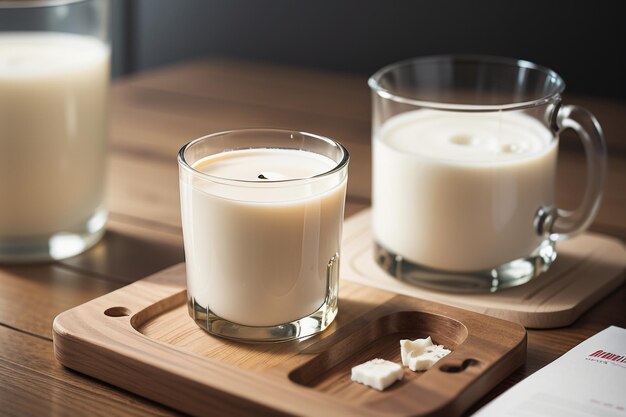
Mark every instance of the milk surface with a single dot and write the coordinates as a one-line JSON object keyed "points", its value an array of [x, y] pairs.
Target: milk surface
{"points": [[257, 253], [53, 95], [459, 191]]}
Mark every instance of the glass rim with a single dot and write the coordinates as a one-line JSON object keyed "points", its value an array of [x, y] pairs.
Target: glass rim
{"points": [[182, 161], [374, 82], [26, 4]]}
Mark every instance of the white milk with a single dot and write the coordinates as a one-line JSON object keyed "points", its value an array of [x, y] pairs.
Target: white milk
{"points": [[459, 191], [53, 94], [257, 255]]}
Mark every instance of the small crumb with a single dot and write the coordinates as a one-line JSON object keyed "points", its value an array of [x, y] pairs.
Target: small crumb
{"points": [[377, 373]]}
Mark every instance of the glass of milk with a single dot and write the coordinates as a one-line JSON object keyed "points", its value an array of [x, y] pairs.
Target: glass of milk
{"points": [[262, 214], [464, 159], [54, 79]]}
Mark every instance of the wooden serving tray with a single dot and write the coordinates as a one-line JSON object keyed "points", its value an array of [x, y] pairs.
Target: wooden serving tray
{"points": [[141, 338]]}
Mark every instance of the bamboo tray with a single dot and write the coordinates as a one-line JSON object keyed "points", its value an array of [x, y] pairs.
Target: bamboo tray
{"points": [[140, 338]]}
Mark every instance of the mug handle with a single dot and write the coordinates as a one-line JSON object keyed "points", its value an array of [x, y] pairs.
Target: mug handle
{"points": [[562, 224]]}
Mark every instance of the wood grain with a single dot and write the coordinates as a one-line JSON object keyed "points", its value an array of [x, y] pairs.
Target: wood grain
{"points": [[571, 181], [33, 383], [214, 114], [267, 85], [32, 295], [187, 369], [39, 292]]}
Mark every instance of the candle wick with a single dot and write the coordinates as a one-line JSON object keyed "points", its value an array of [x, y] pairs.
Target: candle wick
{"points": [[262, 177]]}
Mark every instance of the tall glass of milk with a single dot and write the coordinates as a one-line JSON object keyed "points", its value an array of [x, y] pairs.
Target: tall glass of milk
{"points": [[54, 78], [464, 159], [262, 213]]}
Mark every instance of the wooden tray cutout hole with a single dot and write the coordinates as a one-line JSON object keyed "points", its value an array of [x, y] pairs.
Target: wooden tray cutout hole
{"points": [[453, 369], [117, 312], [330, 371]]}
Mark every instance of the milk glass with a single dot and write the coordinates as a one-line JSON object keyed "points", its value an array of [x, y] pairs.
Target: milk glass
{"points": [[262, 214], [54, 79], [464, 160]]}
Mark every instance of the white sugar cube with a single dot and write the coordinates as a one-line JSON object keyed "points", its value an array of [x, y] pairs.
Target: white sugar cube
{"points": [[413, 346], [421, 354], [377, 373]]}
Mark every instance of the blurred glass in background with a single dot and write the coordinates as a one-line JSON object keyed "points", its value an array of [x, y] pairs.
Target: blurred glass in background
{"points": [[54, 80]]}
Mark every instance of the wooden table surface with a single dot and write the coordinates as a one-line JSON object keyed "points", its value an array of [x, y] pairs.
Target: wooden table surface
{"points": [[152, 116]]}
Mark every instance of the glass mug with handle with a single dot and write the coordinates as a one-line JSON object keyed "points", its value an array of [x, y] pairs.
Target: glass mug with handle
{"points": [[464, 165]]}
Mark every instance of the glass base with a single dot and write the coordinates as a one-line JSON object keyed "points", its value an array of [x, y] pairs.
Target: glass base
{"points": [[304, 327], [298, 329], [55, 247], [511, 274]]}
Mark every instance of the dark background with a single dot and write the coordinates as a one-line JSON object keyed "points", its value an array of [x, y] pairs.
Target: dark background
{"points": [[582, 40]]}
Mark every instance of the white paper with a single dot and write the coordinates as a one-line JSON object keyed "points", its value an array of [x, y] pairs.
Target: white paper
{"points": [[589, 380]]}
